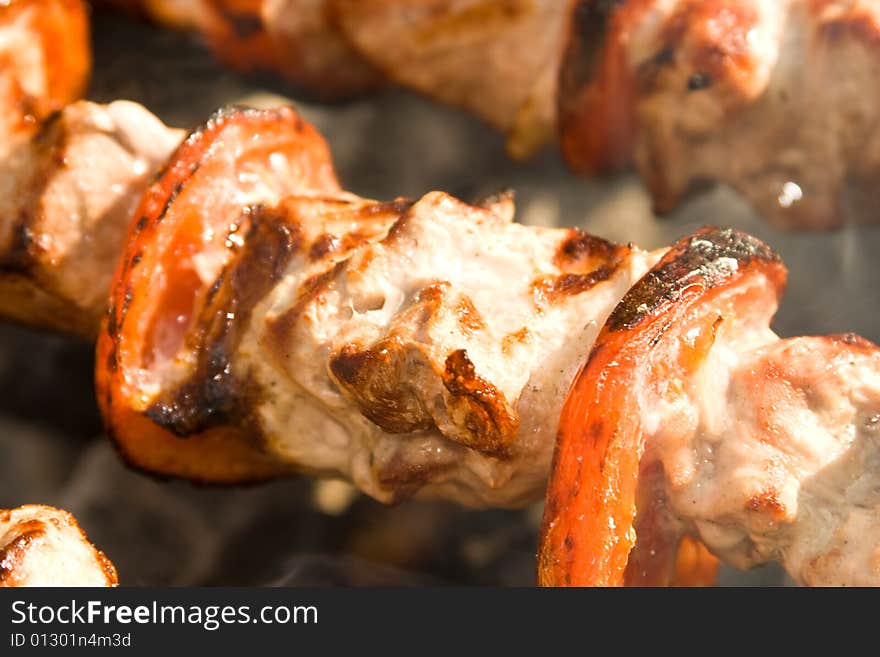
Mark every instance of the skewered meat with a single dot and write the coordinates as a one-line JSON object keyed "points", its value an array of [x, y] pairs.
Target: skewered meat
{"points": [[280, 310], [43, 546], [775, 99], [772, 98], [426, 348], [68, 194], [692, 418]]}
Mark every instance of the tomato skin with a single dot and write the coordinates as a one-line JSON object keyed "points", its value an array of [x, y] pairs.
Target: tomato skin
{"points": [[194, 196], [597, 89], [61, 28], [590, 518]]}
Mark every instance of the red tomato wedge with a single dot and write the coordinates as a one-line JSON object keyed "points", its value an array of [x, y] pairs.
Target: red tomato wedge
{"points": [[603, 520], [596, 101], [191, 223], [60, 31], [235, 31]]}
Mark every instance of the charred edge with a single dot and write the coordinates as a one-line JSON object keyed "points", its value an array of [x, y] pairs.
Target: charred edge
{"points": [[213, 395], [854, 340], [244, 25], [172, 197], [591, 22], [712, 58], [403, 478], [366, 374], [22, 252], [215, 124], [126, 301], [580, 248], [111, 318], [566, 285], [488, 201], [232, 112], [12, 555], [329, 243], [280, 327], [20, 257], [402, 207], [323, 246], [702, 258], [489, 422]]}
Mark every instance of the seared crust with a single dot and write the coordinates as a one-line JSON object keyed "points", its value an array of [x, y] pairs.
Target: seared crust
{"points": [[708, 258], [212, 396], [43, 546]]}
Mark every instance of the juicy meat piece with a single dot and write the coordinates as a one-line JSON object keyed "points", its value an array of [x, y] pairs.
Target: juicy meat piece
{"points": [[44, 62], [43, 546], [782, 461], [66, 197], [497, 59], [433, 352], [774, 98]]}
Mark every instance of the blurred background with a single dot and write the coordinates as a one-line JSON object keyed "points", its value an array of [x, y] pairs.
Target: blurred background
{"points": [[302, 532]]}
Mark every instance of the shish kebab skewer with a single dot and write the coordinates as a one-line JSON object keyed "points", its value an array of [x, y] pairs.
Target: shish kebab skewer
{"points": [[427, 348], [675, 86]]}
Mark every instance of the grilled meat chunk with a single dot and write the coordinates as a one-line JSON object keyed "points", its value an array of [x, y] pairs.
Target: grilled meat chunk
{"points": [[43, 546]]}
